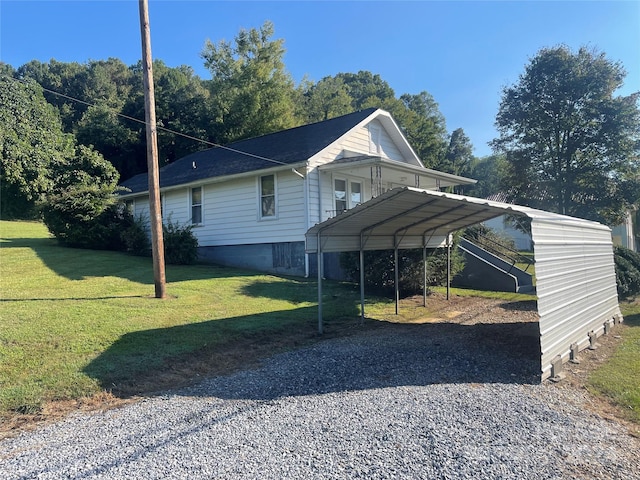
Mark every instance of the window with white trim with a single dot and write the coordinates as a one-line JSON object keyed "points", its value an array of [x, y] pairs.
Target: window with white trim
{"points": [[340, 195], [130, 206], [355, 194], [346, 194], [196, 206], [268, 196]]}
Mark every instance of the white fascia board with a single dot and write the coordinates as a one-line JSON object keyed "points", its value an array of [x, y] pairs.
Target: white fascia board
{"points": [[225, 178], [401, 166]]}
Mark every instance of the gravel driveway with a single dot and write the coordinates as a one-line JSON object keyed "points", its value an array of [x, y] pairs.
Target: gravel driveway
{"points": [[401, 401]]}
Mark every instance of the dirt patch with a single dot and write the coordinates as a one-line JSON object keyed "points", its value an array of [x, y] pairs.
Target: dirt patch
{"points": [[248, 352]]}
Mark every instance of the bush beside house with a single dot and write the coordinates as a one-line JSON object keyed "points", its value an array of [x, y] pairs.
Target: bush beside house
{"points": [[627, 264]]}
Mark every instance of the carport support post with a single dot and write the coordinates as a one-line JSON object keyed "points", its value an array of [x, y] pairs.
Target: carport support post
{"points": [[395, 273], [448, 264], [424, 275], [361, 285], [319, 286]]}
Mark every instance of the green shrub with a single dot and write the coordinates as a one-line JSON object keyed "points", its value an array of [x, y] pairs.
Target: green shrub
{"points": [[379, 269], [627, 263], [136, 238], [180, 244], [86, 217]]}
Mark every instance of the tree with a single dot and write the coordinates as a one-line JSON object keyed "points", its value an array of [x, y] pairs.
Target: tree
{"points": [[251, 92], [43, 170], [81, 210], [488, 171], [326, 99], [181, 106], [31, 144], [571, 146], [423, 125], [459, 154], [101, 127], [60, 77], [89, 98], [181, 100], [366, 89]]}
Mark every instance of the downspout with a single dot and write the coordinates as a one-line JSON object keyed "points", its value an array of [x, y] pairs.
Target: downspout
{"points": [[448, 263], [305, 194]]}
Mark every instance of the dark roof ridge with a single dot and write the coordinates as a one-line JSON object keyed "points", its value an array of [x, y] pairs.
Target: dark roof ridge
{"points": [[369, 111]]}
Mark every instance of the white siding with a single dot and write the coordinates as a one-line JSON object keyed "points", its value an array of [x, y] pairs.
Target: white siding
{"points": [[313, 182], [176, 208], [387, 147], [327, 191], [230, 212], [141, 207], [321, 183], [358, 141]]}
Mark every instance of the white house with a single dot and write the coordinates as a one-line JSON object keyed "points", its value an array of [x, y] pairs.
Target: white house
{"points": [[628, 233], [252, 202]]}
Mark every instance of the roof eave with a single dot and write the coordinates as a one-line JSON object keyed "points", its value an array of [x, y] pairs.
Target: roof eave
{"points": [[449, 178], [219, 179]]}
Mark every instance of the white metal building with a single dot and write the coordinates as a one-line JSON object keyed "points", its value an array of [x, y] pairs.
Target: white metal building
{"points": [[576, 286]]}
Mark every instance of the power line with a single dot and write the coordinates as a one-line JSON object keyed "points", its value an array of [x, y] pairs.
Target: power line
{"points": [[158, 127]]}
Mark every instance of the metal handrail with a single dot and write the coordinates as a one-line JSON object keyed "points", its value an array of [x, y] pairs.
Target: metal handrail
{"points": [[492, 248]]}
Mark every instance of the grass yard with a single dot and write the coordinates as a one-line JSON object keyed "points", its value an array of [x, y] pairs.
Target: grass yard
{"points": [[619, 378], [74, 323]]}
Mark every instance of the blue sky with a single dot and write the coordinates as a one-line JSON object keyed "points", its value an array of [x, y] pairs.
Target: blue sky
{"points": [[462, 53]]}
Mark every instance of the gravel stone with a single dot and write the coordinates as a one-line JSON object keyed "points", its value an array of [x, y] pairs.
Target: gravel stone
{"points": [[407, 402]]}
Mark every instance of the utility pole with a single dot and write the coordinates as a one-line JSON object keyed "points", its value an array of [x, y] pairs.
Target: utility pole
{"points": [[155, 212]]}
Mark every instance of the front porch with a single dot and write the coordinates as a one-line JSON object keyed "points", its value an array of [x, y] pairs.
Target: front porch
{"points": [[356, 179]]}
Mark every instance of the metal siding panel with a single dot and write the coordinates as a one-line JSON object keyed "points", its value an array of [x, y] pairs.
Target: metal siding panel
{"points": [[575, 285]]}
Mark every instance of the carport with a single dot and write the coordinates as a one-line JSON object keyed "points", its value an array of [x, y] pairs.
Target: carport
{"points": [[576, 284]]}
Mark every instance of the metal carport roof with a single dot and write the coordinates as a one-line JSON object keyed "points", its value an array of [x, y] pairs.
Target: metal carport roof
{"points": [[576, 286]]}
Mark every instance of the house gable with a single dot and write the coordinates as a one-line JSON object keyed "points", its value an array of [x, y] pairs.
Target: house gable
{"points": [[376, 135]]}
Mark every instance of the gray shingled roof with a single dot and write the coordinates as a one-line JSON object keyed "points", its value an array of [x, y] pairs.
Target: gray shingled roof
{"points": [[286, 147]]}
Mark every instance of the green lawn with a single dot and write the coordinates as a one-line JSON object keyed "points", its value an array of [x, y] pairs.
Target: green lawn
{"points": [[619, 378], [77, 322]]}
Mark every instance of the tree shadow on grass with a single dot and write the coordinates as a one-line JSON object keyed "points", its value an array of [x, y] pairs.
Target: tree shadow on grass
{"points": [[303, 290], [280, 354], [79, 264]]}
